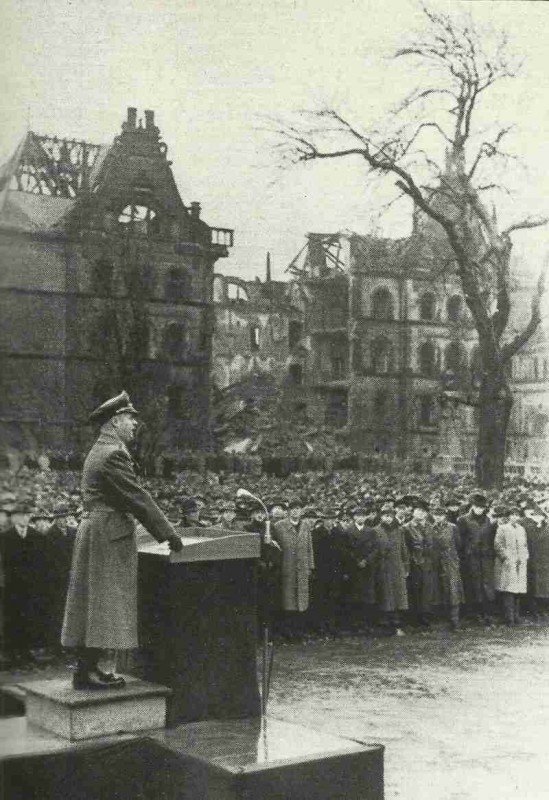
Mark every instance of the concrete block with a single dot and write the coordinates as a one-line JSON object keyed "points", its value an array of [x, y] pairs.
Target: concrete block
{"points": [[55, 706], [273, 760]]}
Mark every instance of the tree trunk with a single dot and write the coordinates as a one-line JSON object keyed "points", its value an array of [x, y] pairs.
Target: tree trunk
{"points": [[495, 403]]}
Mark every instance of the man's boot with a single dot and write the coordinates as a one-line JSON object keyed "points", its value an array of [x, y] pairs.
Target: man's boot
{"points": [[88, 676]]}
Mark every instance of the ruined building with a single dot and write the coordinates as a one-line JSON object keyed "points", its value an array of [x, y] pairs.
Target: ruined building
{"points": [[106, 281], [388, 330]]}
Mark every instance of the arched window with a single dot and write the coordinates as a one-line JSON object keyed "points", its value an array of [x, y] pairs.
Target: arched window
{"points": [[426, 359], [454, 308], [177, 285], [382, 355], [427, 306], [383, 306], [536, 369], [139, 219], [174, 342], [454, 359], [236, 292]]}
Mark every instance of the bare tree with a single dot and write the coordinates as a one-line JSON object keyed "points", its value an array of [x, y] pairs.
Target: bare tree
{"points": [[440, 153]]}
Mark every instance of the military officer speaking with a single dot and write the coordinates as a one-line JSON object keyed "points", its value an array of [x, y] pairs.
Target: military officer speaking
{"points": [[101, 606]]}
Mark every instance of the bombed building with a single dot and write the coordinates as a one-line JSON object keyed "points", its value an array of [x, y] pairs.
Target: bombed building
{"points": [[106, 280], [388, 331]]}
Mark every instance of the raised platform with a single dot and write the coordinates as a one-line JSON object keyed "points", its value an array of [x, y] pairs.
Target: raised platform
{"points": [[276, 760], [211, 760], [55, 706]]}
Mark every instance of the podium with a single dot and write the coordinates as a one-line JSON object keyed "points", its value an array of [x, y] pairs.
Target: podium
{"points": [[198, 623]]}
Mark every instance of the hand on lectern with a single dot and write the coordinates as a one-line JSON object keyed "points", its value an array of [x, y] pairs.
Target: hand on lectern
{"points": [[175, 543]]}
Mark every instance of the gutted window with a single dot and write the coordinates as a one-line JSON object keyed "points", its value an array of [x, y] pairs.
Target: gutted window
{"points": [[427, 307], [454, 358], [382, 355], [102, 277], [295, 374], [454, 308], [178, 285], [383, 306], [139, 219], [426, 410], [427, 359], [174, 343]]}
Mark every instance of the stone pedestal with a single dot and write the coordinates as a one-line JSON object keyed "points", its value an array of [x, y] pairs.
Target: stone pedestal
{"points": [[76, 715]]}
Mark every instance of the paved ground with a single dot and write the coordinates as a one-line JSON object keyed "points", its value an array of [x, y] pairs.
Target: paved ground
{"points": [[463, 716]]}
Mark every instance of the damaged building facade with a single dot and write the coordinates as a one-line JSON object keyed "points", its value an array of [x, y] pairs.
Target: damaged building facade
{"points": [[388, 331], [106, 281]]}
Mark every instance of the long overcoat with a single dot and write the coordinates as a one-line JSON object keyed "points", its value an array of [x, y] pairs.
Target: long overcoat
{"points": [[297, 562], [511, 565], [445, 543], [359, 547], [476, 543], [537, 535], [101, 606], [423, 592], [393, 567]]}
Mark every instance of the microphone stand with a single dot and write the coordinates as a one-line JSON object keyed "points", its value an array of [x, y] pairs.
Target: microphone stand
{"points": [[268, 649]]}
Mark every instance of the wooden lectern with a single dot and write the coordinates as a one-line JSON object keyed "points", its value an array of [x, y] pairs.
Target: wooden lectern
{"points": [[198, 623]]}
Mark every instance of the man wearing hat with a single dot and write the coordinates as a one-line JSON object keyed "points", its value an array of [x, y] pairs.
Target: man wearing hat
{"points": [[294, 536], [15, 552], [476, 536], [359, 551], [101, 606], [511, 549]]}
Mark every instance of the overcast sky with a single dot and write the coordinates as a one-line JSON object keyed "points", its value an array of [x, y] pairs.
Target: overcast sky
{"points": [[211, 68]]}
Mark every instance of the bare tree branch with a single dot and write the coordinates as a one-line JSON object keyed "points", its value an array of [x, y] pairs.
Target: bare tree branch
{"points": [[519, 340]]}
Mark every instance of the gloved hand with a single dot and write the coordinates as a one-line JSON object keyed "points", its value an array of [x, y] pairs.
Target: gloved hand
{"points": [[175, 543]]}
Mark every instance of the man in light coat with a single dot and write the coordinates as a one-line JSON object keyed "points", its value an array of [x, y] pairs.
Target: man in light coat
{"points": [[101, 606], [294, 536], [511, 564]]}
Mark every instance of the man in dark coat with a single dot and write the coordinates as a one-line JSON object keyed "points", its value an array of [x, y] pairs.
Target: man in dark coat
{"points": [[15, 552], [476, 540], [327, 578], [101, 607], [360, 565], [422, 579]]}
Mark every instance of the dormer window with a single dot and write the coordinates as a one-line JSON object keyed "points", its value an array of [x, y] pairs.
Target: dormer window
{"points": [[139, 219]]}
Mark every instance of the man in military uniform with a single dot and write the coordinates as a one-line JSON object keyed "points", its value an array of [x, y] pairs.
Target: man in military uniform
{"points": [[101, 606]]}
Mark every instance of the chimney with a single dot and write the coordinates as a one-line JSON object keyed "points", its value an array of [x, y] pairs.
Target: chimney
{"points": [[149, 120], [132, 118], [195, 210], [268, 269]]}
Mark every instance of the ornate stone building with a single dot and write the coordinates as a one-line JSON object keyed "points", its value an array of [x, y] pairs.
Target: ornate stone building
{"points": [[106, 281]]}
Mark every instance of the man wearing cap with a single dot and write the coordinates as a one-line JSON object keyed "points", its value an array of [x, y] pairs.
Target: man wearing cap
{"points": [[101, 606]]}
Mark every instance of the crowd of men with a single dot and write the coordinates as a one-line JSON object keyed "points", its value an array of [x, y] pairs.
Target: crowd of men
{"points": [[350, 552]]}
